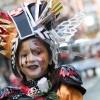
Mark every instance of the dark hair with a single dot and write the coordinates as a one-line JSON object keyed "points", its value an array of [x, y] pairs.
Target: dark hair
{"points": [[53, 76]]}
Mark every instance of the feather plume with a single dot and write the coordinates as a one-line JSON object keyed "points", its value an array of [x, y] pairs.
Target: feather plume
{"points": [[7, 33]]}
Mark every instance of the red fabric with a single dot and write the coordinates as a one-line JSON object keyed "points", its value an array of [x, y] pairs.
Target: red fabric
{"points": [[24, 89], [68, 73]]}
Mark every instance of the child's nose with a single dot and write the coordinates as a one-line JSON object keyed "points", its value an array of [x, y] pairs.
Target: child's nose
{"points": [[32, 58]]}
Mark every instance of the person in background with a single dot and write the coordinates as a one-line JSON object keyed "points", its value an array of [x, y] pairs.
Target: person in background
{"points": [[3, 82]]}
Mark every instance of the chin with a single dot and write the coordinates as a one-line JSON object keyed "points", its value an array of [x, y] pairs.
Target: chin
{"points": [[36, 75]]}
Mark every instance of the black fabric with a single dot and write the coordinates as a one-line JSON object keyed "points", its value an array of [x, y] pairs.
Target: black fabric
{"points": [[7, 92], [13, 93], [67, 75]]}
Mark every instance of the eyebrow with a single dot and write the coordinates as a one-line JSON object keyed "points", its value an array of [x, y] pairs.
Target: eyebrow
{"points": [[22, 50]]}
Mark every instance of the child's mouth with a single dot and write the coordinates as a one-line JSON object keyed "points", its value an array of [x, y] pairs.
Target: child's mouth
{"points": [[33, 67]]}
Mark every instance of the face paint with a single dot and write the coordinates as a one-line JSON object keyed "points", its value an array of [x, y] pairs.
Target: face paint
{"points": [[33, 58], [24, 57], [33, 46], [35, 50]]}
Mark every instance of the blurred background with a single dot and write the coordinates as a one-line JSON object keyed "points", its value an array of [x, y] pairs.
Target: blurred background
{"points": [[87, 43]]}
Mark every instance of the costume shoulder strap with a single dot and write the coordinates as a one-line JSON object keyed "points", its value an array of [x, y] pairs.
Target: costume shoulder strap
{"points": [[6, 91]]}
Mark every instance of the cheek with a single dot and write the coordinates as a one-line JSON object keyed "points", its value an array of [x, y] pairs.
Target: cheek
{"points": [[45, 59], [42, 61]]}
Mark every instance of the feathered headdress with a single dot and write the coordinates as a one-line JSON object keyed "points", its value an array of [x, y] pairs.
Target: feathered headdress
{"points": [[7, 33], [36, 19]]}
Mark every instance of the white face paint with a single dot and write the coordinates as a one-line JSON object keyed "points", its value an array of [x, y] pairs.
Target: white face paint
{"points": [[33, 46], [33, 58]]}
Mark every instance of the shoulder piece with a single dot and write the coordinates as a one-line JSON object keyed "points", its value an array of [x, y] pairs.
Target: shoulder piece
{"points": [[69, 75], [6, 91]]}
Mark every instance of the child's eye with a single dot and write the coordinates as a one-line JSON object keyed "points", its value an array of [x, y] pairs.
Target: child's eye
{"points": [[38, 52], [24, 55]]}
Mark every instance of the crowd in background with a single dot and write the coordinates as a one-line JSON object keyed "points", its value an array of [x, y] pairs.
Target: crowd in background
{"points": [[8, 78]]}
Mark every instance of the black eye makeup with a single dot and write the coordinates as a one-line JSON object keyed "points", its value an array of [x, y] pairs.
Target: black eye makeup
{"points": [[25, 57]]}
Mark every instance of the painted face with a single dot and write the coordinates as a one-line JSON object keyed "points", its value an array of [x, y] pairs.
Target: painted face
{"points": [[33, 58]]}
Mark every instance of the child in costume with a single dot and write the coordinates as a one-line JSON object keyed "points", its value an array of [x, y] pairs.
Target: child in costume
{"points": [[29, 39]]}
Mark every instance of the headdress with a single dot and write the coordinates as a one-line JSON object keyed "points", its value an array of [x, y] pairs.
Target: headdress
{"points": [[36, 19]]}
